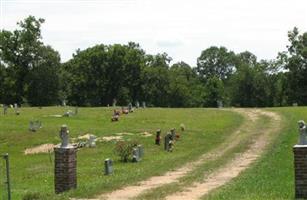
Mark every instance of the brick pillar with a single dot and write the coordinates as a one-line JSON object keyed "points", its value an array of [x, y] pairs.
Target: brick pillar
{"points": [[65, 169], [300, 167]]}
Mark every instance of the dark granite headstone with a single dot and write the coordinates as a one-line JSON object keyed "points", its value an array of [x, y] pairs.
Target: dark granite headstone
{"points": [[108, 166]]}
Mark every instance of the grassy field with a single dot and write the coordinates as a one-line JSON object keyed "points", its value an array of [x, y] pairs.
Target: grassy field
{"points": [[272, 177], [205, 129]]}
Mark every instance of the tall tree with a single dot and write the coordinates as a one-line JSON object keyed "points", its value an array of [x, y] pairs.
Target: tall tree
{"points": [[295, 61], [215, 62], [19, 49]]}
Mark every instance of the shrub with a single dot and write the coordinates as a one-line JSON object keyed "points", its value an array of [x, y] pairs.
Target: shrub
{"points": [[32, 196], [124, 149]]}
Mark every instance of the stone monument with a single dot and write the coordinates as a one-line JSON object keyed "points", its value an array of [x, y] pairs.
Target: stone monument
{"points": [[5, 109], [135, 155], [65, 163], [108, 166], [92, 141], [300, 162], [168, 142]]}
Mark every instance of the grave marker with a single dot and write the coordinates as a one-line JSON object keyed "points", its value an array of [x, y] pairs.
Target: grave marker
{"points": [[35, 125], [141, 151], [108, 166], [135, 155], [5, 109], [65, 164], [137, 104], [173, 133], [76, 110], [168, 142], [92, 141], [16, 109], [158, 137]]}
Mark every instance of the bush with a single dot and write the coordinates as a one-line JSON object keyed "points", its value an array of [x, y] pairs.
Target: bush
{"points": [[124, 149], [32, 196]]}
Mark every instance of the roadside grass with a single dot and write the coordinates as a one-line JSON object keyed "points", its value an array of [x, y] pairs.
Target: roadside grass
{"points": [[272, 177], [206, 168], [205, 129]]}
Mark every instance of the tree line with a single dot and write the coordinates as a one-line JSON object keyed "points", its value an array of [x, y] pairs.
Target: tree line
{"points": [[32, 73]]}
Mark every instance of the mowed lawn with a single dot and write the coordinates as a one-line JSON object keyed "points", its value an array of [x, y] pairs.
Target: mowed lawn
{"points": [[205, 129], [272, 177]]}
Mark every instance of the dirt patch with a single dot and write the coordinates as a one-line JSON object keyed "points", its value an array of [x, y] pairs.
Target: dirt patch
{"points": [[57, 116], [121, 134], [146, 134], [110, 138], [44, 148]]}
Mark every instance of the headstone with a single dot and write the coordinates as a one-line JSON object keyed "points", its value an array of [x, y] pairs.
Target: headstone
{"points": [[143, 104], [130, 107], [64, 102], [108, 166], [135, 155], [114, 103], [294, 104], [302, 133], [137, 104], [64, 137], [220, 104], [68, 113], [65, 169], [158, 137], [35, 125], [141, 151], [92, 141], [115, 116], [5, 109], [16, 109], [168, 142], [173, 133]]}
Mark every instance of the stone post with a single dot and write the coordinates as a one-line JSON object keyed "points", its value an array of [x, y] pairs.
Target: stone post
{"points": [[65, 169], [300, 167], [65, 164], [300, 162]]}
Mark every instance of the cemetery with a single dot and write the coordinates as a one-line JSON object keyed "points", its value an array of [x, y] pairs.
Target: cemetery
{"points": [[109, 156], [121, 100]]}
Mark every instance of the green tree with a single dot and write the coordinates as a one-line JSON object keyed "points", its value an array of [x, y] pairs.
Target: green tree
{"points": [[214, 92], [185, 88], [19, 50], [249, 85], [215, 62], [295, 61], [155, 79], [43, 79]]}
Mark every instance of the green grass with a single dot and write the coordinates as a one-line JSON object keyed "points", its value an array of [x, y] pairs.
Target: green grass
{"points": [[210, 165], [205, 129], [272, 177]]}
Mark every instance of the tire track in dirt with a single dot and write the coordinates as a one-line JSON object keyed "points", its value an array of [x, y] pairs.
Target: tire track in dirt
{"points": [[131, 192], [232, 169]]}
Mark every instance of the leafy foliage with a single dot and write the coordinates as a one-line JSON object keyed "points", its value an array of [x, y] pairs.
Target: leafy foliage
{"points": [[31, 72]]}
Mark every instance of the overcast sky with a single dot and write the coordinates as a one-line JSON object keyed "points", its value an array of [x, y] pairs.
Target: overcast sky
{"points": [[181, 28]]}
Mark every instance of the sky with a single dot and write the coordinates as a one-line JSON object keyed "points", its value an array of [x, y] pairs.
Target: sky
{"points": [[181, 28]]}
